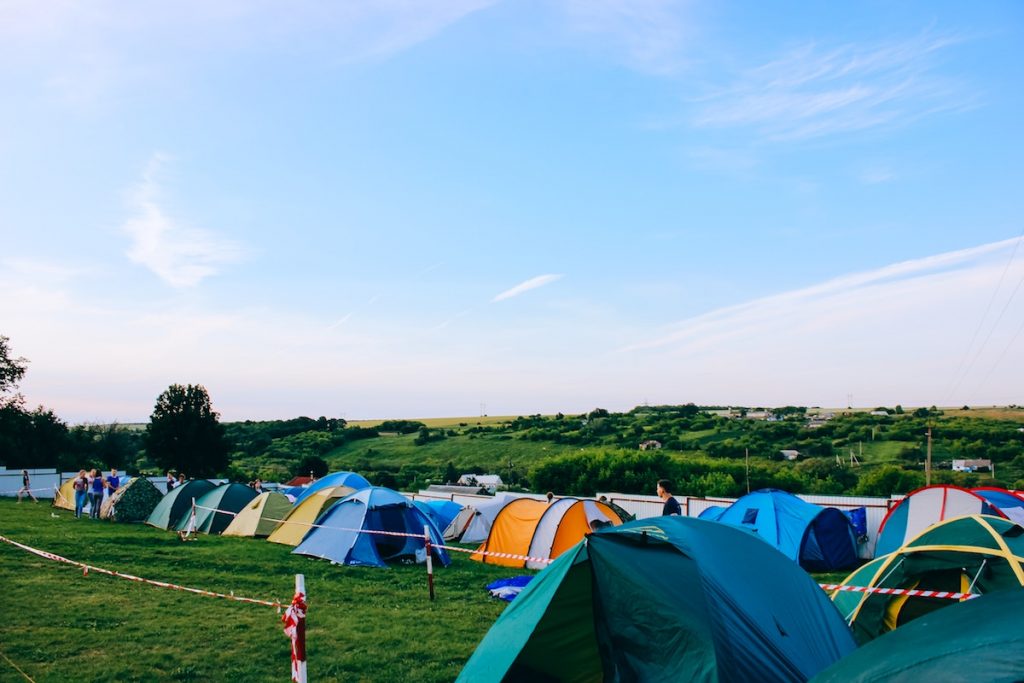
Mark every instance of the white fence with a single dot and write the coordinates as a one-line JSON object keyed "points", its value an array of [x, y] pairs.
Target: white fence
{"points": [[41, 481]]}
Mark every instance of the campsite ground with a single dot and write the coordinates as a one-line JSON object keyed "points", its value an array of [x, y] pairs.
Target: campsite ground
{"points": [[364, 624]]}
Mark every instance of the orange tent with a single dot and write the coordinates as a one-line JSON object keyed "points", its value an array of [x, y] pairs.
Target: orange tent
{"points": [[541, 531]]}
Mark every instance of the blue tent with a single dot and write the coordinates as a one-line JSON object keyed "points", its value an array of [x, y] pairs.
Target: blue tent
{"points": [[712, 513], [341, 532], [441, 512], [350, 479], [820, 539], [665, 599]]}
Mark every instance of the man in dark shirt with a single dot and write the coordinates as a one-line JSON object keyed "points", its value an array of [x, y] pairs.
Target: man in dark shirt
{"points": [[671, 506]]}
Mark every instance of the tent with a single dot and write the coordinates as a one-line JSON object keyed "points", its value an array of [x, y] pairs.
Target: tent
{"points": [[483, 514], [712, 513], [216, 509], [979, 640], [64, 497], [261, 516], [974, 554], [303, 515], [350, 479], [342, 536], [179, 500], [1009, 503], [441, 512], [665, 599], [134, 501], [820, 539], [924, 507], [541, 530]]}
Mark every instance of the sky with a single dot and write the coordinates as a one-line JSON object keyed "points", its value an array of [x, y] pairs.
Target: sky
{"points": [[399, 208]]}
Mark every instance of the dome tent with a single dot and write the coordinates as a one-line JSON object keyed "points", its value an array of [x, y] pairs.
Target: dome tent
{"points": [[819, 538], [173, 505], [350, 479], [441, 512], [924, 507], [665, 599], [537, 529], [134, 501], [212, 510], [978, 640], [338, 535], [303, 515], [974, 554], [260, 517]]}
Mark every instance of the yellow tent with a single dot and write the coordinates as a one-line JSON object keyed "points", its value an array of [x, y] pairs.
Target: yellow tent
{"points": [[536, 529], [65, 495], [298, 521], [260, 517]]}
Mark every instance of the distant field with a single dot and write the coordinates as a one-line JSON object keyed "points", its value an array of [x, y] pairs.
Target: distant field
{"points": [[990, 413], [437, 422], [365, 624]]}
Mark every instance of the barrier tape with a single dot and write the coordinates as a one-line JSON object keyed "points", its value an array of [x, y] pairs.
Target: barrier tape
{"points": [[15, 492], [900, 591], [17, 668], [86, 568], [490, 553]]}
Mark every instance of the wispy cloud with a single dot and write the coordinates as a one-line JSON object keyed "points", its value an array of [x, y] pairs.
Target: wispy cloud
{"points": [[181, 256], [650, 34], [815, 91], [532, 283]]}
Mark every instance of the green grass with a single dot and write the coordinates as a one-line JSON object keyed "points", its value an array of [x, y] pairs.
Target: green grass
{"points": [[365, 624]]}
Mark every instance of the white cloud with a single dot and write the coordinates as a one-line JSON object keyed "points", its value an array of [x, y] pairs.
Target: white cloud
{"points": [[179, 255], [650, 34], [532, 283], [814, 92], [893, 332]]}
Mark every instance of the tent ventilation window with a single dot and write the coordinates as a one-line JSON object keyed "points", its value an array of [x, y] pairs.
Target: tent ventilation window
{"points": [[750, 516]]}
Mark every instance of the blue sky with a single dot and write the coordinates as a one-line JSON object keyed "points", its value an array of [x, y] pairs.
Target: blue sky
{"points": [[399, 208]]}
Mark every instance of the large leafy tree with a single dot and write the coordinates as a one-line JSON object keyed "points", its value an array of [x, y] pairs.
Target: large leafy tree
{"points": [[11, 372], [185, 434], [27, 439]]}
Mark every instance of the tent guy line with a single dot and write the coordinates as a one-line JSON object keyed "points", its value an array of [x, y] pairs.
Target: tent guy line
{"points": [[86, 568]]}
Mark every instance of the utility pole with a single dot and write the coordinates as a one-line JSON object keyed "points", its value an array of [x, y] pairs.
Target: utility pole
{"points": [[928, 461], [746, 456]]}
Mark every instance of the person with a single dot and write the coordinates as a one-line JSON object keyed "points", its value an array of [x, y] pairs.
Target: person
{"points": [[170, 481], [258, 485], [113, 482], [81, 487], [95, 494], [181, 479], [551, 497], [671, 506], [26, 487]]}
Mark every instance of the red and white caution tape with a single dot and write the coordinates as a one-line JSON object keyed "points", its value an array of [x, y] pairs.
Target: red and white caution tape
{"points": [[15, 492], [900, 591], [86, 568], [295, 628]]}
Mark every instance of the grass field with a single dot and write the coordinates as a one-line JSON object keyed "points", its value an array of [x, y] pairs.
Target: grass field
{"points": [[365, 624]]}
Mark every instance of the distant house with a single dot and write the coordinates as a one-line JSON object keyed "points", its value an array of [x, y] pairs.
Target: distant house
{"points": [[971, 465], [299, 481], [491, 482], [650, 445], [880, 413], [790, 454], [450, 488]]}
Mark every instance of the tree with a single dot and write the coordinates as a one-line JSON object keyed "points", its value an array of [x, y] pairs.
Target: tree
{"points": [[11, 372], [185, 434], [311, 463]]}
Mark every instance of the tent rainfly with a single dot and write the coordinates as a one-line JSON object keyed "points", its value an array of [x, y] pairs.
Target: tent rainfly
{"points": [[134, 501], [974, 554], [216, 509], [350, 479], [173, 505], [260, 517], [305, 514], [665, 599]]}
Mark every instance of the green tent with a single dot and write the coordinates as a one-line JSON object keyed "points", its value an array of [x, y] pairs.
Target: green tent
{"points": [[216, 508], [260, 516], [973, 554], [980, 640], [665, 599], [134, 501], [174, 504]]}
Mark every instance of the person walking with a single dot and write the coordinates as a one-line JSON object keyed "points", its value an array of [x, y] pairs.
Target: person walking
{"points": [[26, 487], [81, 487], [671, 506], [96, 494]]}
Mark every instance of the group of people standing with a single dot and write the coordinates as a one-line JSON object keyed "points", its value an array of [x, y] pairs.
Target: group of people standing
{"points": [[173, 483], [89, 487]]}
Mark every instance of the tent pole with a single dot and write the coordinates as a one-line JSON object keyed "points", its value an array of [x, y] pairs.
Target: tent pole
{"points": [[430, 562], [970, 589]]}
